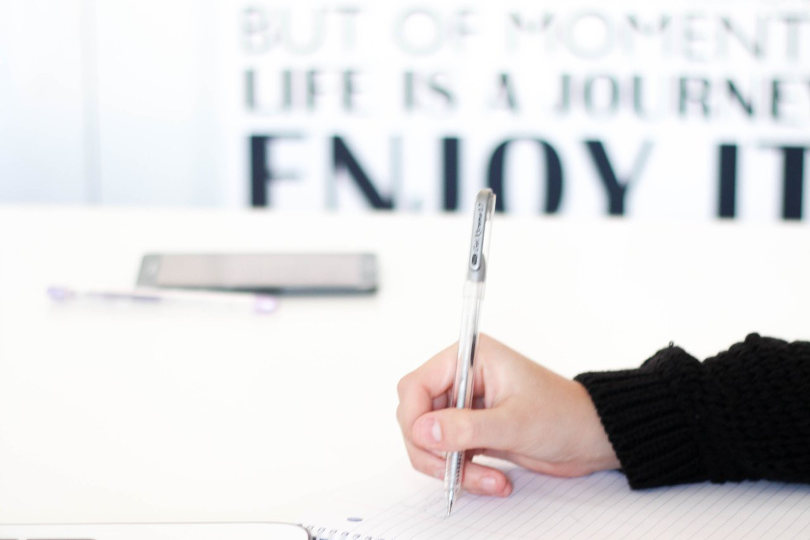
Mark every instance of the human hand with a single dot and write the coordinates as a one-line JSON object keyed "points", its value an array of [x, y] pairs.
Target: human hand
{"points": [[522, 412]]}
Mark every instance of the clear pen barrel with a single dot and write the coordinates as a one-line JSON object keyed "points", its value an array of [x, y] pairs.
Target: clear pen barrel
{"points": [[464, 382]]}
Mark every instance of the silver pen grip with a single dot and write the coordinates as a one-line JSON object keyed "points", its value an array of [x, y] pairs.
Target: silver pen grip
{"points": [[453, 472]]}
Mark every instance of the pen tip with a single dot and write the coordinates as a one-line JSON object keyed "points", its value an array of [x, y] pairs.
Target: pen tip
{"points": [[449, 505]]}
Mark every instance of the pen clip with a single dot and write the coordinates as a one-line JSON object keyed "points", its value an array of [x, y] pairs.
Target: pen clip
{"points": [[479, 242]]}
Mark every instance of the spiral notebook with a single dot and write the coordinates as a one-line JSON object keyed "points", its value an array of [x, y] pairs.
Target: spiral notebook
{"points": [[406, 505]]}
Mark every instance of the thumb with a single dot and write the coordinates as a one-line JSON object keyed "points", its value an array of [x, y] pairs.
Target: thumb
{"points": [[461, 429]]}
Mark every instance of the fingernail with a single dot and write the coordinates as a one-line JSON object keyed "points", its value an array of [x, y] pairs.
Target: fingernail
{"points": [[436, 431], [428, 431], [489, 483]]}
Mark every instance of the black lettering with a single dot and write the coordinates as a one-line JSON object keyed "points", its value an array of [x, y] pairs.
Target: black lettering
{"points": [[553, 176], [638, 96], [753, 46], [746, 104], [344, 160], [414, 98], [616, 189], [450, 177], [250, 90], [313, 90], [776, 99], [439, 88], [564, 105], [258, 37], [793, 35], [530, 26], [349, 28], [349, 90], [647, 29], [409, 96], [695, 39], [611, 86], [727, 197], [287, 90], [261, 169], [252, 102], [506, 93], [686, 96], [793, 180]]}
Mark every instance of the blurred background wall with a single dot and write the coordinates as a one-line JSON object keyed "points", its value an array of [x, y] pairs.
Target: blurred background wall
{"points": [[687, 109]]}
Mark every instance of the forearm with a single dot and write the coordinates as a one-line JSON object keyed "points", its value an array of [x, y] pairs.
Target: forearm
{"points": [[743, 414]]}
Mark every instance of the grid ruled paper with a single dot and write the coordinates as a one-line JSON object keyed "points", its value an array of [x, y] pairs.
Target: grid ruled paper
{"points": [[600, 505]]}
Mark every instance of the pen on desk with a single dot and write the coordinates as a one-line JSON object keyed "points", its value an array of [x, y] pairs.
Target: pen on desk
{"points": [[257, 302], [468, 337]]}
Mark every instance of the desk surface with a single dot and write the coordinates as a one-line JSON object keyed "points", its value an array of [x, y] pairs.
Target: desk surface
{"points": [[125, 412]]}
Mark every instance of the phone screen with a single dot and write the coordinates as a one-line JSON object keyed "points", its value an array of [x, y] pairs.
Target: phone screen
{"points": [[297, 273]]}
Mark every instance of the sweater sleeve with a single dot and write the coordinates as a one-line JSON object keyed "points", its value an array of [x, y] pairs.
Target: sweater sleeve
{"points": [[743, 414]]}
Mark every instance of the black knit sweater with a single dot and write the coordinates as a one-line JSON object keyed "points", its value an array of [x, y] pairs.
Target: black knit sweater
{"points": [[743, 414]]}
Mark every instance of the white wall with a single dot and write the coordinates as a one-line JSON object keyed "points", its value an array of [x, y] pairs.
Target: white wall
{"points": [[42, 116], [157, 102], [108, 102]]}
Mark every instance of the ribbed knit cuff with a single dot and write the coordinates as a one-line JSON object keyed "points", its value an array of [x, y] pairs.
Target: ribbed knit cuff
{"points": [[648, 423]]}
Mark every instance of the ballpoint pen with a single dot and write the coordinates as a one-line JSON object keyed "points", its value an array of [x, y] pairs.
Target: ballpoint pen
{"points": [[468, 337]]}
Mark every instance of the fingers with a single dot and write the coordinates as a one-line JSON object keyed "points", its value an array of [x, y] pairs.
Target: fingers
{"points": [[425, 389], [478, 478], [424, 392], [429, 387], [462, 429]]}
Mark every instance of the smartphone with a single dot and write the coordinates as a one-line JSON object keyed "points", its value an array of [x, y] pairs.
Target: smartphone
{"points": [[272, 273], [157, 531]]}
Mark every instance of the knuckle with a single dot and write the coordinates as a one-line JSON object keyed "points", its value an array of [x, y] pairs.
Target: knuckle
{"points": [[398, 413], [403, 385]]}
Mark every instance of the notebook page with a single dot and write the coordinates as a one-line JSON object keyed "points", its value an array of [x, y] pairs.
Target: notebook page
{"points": [[600, 505]]}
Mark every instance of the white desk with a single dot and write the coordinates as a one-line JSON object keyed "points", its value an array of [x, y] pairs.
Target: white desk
{"points": [[141, 413]]}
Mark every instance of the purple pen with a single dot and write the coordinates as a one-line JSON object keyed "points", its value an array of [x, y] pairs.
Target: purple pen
{"points": [[256, 302]]}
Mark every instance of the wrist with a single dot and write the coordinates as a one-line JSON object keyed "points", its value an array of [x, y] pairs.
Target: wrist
{"points": [[595, 449]]}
